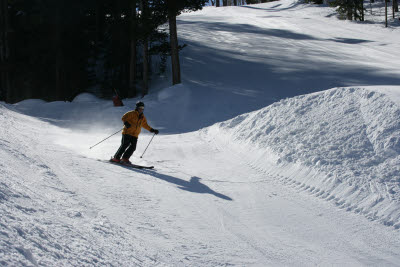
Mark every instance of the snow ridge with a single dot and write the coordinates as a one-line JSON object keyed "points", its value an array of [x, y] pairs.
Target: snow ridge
{"points": [[344, 143]]}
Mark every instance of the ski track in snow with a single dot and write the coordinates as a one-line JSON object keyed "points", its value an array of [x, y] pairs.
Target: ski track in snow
{"points": [[348, 156]]}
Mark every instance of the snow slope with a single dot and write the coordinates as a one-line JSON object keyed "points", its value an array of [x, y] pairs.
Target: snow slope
{"points": [[44, 222], [275, 151], [206, 204], [344, 144]]}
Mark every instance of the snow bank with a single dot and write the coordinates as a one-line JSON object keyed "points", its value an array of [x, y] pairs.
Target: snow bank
{"points": [[85, 97], [85, 113], [342, 145]]}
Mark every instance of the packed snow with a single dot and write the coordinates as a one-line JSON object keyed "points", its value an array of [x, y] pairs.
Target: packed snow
{"points": [[280, 148], [348, 138]]}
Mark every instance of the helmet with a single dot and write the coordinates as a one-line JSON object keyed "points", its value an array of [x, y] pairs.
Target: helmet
{"points": [[139, 104]]}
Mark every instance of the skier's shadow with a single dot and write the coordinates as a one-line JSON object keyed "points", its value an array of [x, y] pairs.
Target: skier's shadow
{"points": [[194, 185]]}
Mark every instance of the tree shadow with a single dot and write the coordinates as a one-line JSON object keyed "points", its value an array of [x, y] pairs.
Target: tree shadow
{"points": [[194, 185], [350, 40], [248, 29], [275, 8]]}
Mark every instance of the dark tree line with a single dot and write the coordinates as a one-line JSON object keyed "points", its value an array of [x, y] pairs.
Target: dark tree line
{"points": [[355, 9], [351, 9], [54, 50]]}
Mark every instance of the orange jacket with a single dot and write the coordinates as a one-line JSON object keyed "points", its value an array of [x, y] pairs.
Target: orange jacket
{"points": [[137, 121]]}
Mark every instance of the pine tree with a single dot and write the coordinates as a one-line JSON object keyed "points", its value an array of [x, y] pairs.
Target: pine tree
{"points": [[351, 9], [62, 48], [133, 55]]}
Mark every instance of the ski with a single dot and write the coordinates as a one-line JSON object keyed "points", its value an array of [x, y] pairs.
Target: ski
{"points": [[136, 166], [131, 165]]}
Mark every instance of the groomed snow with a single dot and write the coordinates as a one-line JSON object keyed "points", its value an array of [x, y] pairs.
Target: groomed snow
{"points": [[280, 148], [344, 144]]}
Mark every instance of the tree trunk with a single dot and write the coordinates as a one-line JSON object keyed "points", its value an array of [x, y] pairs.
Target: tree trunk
{"points": [[58, 94], [225, 2], [393, 9], [5, 83], [358, 10], [145, 67], [349, 10], [386, 13], [132, 63], [99, 21], [362, 10], [176, 69], [235, 2], [217, 4], [145, 89], [396, 5], [173, 36]]}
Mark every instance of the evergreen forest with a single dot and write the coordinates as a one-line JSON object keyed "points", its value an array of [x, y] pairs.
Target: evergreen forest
{"points": [[55, 50]]}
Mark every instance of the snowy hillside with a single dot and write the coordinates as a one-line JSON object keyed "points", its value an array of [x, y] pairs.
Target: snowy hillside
{"points": [[280, 148]]}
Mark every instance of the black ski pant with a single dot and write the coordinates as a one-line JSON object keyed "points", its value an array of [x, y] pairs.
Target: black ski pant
{"points": [[128, 146]]}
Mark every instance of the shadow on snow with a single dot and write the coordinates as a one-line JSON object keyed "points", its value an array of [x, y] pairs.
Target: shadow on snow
{"points": [[194, 185]]}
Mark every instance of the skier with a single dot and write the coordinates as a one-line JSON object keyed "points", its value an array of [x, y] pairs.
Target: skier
{"points": [[133, 122]]}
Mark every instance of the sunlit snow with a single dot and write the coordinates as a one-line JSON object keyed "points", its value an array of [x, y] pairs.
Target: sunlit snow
{"points": [[280, 148]]}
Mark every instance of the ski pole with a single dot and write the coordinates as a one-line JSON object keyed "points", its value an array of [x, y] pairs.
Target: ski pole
{"points": [[147, 145], [104, 139]]}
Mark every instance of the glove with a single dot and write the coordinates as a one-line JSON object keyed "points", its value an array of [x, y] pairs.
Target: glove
{"points": [[154, 131], [127, 124]]}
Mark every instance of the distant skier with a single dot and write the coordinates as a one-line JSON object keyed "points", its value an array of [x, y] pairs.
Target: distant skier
{"points": [[117, 100], [133, 122]]}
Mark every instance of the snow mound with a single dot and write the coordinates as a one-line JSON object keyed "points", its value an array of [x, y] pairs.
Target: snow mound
{"points": [[342, 144], [86, 113], [85, 97]]}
